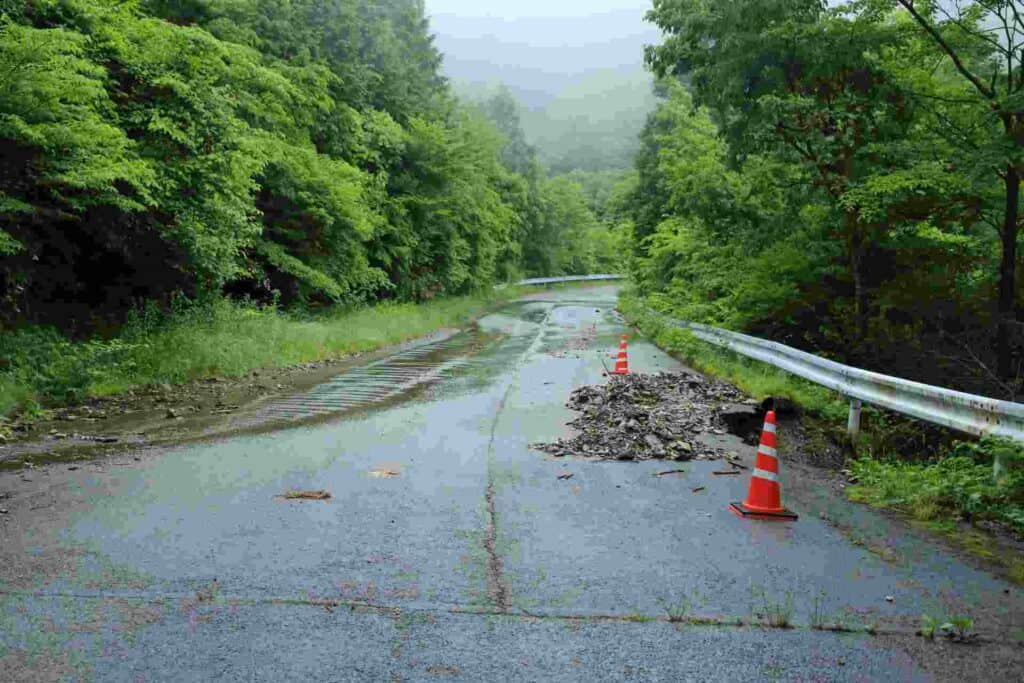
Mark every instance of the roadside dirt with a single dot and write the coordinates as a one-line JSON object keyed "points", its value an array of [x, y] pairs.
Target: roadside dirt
{"points": [[162, 414]]}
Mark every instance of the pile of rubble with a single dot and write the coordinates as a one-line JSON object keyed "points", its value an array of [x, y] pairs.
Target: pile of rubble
{"points": [[640, 417]]}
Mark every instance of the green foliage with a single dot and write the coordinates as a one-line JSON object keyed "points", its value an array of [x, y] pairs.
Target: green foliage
{"points": [[757, 379], [200, 340], [960, 484], [929, 624], [958, 627], [774, 613], [303, 152], [823, 175], [566, 223]]}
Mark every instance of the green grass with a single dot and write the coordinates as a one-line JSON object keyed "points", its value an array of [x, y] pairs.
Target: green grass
{"points": [[757, 379], [959, 485], [40, 367], [218, 339]]}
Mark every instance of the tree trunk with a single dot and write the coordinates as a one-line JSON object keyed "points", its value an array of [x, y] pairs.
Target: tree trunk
{"points": [[857, 266], [1008, 276]]}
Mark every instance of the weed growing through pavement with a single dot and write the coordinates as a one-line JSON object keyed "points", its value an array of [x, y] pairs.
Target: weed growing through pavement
{"points": [[773, 613], [929, 624], [963, 627], [958, 628], [817, 613], [677, 609]]}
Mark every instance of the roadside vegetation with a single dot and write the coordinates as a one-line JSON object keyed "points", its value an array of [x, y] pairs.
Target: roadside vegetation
{"points": [[219, 338], [299, 160], [958, 485], [845, 179], [926, 473]]}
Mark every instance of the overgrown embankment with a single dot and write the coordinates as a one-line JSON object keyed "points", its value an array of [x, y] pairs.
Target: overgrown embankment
{"points": [[216, 339], [932, 475]]}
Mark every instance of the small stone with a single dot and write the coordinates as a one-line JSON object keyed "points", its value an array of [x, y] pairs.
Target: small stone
{"points": [[172, 414], [889, 598], [3, 511]]}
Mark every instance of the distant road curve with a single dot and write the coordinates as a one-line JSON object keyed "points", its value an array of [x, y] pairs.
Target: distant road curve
{"points": [[568, 278]]}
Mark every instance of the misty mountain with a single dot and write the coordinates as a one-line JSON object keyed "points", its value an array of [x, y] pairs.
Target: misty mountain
{"points": [[540, 57], [580, 81]]}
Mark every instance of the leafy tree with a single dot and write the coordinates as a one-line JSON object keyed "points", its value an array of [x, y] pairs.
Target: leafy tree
{"points": [[802, 80], [984, 44]]}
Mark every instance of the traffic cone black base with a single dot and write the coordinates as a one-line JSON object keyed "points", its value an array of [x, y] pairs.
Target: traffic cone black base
{"points": [[740, 510]]}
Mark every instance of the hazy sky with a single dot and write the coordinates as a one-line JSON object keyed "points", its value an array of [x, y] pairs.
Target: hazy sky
{"points": [[539, 48], [517, 9]]}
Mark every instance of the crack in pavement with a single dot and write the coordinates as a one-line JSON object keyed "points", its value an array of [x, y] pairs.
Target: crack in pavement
{"points": [[396, 610], [498, 588]]}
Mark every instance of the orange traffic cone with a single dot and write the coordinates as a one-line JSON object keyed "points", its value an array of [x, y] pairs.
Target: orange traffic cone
{"points": [[622, 362], [764, 499]]}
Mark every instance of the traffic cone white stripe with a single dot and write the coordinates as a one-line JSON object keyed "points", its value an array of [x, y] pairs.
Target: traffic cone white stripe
{"points": [[768, 450], [765, 474], [770, 428]]}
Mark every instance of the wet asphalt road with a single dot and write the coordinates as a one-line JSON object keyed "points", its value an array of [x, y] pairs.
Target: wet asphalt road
{"points": [[449, 550]]}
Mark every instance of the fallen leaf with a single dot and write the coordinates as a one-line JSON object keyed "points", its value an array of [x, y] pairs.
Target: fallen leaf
{"points": [[576, 490], [305, 495]]}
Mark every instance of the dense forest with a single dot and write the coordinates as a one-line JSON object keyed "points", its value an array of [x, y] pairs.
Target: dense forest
{"points": [[841, 177], [844, 179], [301, 153]]}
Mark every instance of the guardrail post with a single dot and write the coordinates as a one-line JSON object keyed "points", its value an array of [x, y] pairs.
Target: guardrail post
{"points": [[853, 424]]}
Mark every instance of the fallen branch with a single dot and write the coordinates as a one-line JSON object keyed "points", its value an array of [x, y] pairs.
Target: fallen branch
{"points": [[724, 473], [305, 495], [662, 474]]}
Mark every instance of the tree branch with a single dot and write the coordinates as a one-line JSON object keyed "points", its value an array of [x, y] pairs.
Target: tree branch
{"points": [[975, 34], [937, 37]]}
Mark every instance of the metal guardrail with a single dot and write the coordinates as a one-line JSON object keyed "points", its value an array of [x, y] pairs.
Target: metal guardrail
{"points": [[569, 278], [978, 415]]}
